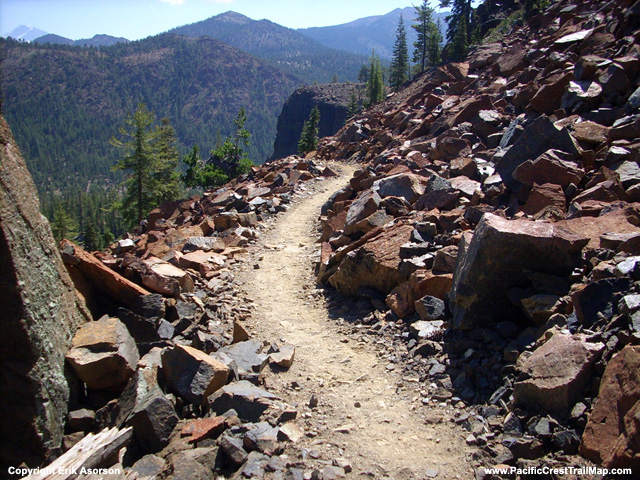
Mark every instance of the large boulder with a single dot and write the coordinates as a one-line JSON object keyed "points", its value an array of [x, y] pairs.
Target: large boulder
{"points": [[365, 205], [192, 373], [103, 354], [556, 373], [405, 185], [374, 264], [612, 435], [500, 256], [40, 313]]}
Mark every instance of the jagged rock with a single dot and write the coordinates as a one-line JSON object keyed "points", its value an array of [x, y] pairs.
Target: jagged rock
{"points": [[245, 398], [407, 186], [549, 167], [365, 205], [374, 264], [629, 173], [284, 356], [206, 244], [612, 435], [547, 98], [80, 420], [202, 428], [427, 329], [41, 312], [543, 196], [430, 308], [590, 133], [246, 356], [103, 354], [164, 278], [596, 300], [536, 139], [192, 373], [148, 467], [144, 407], [556, 373], [497, 258], [578, 93], [101, 277]]}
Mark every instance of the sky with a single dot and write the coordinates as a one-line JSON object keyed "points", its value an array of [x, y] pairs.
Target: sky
{"points": [[135, 19]]}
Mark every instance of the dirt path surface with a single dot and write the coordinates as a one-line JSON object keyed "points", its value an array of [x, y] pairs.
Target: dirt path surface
{"points": [[365, 413]]}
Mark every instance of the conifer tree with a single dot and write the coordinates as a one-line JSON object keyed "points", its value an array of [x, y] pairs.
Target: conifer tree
{"points": [[148, 168], [375, 85], [310, 129], [433, 44], [424, 27], [459, 32], [400, 61], [355, 104], [167, 158], [63, 224]]}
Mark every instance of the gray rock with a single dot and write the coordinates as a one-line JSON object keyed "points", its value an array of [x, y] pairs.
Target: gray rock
{"points": [[247, 356], [244, 397], [233, 449], [430, 308], [407, 186]]}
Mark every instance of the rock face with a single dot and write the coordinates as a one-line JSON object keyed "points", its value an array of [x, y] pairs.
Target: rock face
{"points": [[498, 259], [40, 313], [612, 435], [331, 99]]}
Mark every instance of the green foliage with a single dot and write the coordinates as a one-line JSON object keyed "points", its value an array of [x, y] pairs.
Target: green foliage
{"points": [[355, 104], [533, 7], [63, 225], [460, 31], [363, 76], [499, 31], [310, 129], [150, 160], [228, 159], [398, 74], [91, 239], [375, 84], [424, 28]]}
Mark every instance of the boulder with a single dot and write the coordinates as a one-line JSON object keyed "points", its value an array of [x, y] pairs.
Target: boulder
{"points": [[552, 167], [405, 185], [554, 375], [40, 313], [246, 356], [192, 373], [365, 205], [245, 398], [164, 278], [612, 435], [430, 308], [545, 195], [374, 264], [498, 257], [103, 354], [536, 139]]}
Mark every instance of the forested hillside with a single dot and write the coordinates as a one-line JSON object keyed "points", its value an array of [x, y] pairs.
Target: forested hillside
{"points": [[289, 50], [64, 103]]}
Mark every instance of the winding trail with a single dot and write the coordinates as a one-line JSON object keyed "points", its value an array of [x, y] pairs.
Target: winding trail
{"points": [[365, 413]]}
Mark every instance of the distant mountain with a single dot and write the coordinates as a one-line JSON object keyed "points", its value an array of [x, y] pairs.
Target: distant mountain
{"points": [[377, 32], [288, 49], [95, 41], [53, 39], [25, 33], [64, 103]]}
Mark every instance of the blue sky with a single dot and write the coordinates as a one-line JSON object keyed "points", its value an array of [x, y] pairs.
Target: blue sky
{"points": [[135, 19]]}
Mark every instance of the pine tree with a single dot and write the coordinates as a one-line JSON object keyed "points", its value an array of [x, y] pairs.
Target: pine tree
{"points": [[148, 171], [167, 158], [460, 32], [424, 26], [433, 44], [91, 240], [355, 104], [375, 85], [400, 62], [310, 129], [63, 224]]}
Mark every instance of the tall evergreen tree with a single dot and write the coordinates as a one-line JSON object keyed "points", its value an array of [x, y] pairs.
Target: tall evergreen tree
{"points": [[63, 224], [375, 84], [400, 61], [434, 42], [355, 104], [424, 26], [460, 31], [310, 129], [167, 158], [148, 172]]}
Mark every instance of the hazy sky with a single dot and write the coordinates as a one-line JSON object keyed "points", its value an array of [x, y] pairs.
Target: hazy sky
{"points": [[134, 19]]}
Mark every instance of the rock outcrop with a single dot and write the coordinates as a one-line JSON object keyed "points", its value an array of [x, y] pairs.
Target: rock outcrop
{"points": [[332, 101], [40, 313]]}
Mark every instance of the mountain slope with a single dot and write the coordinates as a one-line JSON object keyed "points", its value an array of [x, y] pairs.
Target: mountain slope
{"points": [[95, 41], [364, 34], [64, 103], [25, 33], [291, 51]]}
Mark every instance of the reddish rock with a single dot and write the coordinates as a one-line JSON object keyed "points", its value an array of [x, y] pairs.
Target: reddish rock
{"points": [[550, 167], [510, 62], [543, 196], [103, 354], [401, 300], [374, 264], [556, 373], [547, 98], [202, 428], [590, 133], [612, 435], [448, 148], [101, 277], [609, 191], [365, 205], [407, 186], [499, 257]]}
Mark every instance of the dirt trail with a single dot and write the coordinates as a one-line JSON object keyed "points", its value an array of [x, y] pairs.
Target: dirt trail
{"points": [[365, 413]]}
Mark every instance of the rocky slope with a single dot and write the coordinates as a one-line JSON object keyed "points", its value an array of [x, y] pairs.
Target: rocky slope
{"points": [[494, 222], [332, 100]]}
